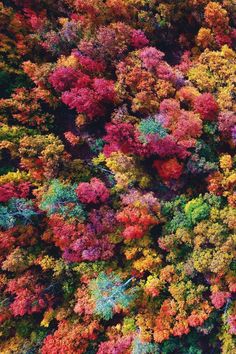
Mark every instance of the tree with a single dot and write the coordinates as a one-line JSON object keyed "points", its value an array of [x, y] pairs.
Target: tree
{"points": [[109, 292]]}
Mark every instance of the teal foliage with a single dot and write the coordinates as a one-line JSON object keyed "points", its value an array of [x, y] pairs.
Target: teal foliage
{"points": [[62, 199], [139, 347], [187, 346], [17, 211], [97, 146], [108, 291], [169, 346], [151, 126]]}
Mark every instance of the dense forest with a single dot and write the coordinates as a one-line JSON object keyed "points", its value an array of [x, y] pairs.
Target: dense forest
{"points": [[117, 177]]}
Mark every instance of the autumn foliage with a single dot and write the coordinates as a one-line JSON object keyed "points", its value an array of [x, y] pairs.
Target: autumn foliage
{"points": [[117, 177]]}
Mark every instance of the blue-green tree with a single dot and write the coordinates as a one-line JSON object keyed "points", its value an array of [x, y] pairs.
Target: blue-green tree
{"points": [[139, 347], [151, 126], [109, 291], [62, 199], [18, 211]]}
